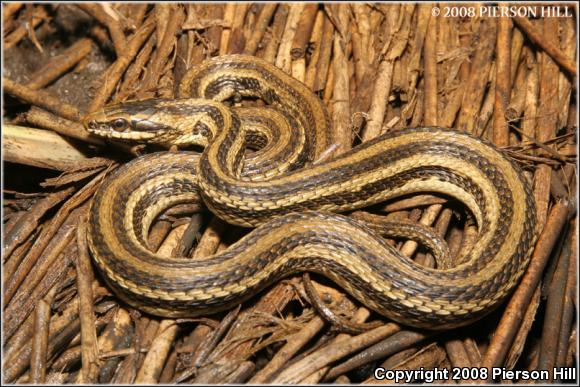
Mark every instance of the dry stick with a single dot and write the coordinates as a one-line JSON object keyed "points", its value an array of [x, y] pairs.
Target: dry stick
{"points": [[38, 356], [204, 349], [284, 60], [229, 13], [191, 346], [114, 27], [457, 353], [272, 302], [158, 352], [341, 95], [131, 78], [116, 337], [427, 219], [169, 368], [568, 44], [152, 365], [546, 124], [568, 307], [293, 344], [60, 64], [424, 20], [258, 32], [269, 53], [531, 100], [30, 221], [144, 332], [214, 33], [333, 352], [137, 14], [16, 36], [502, 81], [303, 31], [116, 70], [518, 94], [472, 351], [511, 319], [41, 99], [390, 345], [164, 49], [521, 336], [62, 330], [189, 237], [360, 49], [399, 357], [430, 357], [85, 277], [211, 238], [448, 115], [240, 374], [43, 119], [517, 44], [237, 41], [546, 43], [430, 83], [162, 13], [384, 78], [16, 257], [315, 40], [357, 55], [321, 68], [18, 340], [478, 77], [42, 275], [554, 310], [9, 9], [50, 231]]}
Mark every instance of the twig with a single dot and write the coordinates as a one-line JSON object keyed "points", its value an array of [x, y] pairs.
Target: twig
{"points": [[278, 25], [258, 33], [114, 27], [41, 99], [116, 70], [40, 343], [502, 81], [330, 353], [303, 31], [554, 310], [90, 350], [27, 223], [60, 64], [397, 341], [284, 60], [341, 98], [284, 354], [511, 319], [555, 53], [158, 352]]}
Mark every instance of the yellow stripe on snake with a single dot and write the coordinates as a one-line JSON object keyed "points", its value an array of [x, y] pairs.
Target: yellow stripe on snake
{"points": [[294, 207]]}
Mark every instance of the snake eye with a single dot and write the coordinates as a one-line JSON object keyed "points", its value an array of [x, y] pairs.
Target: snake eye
{"points": [[92, 125], [119, 125]]}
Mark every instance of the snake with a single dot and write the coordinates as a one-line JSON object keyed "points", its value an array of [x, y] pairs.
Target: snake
{"points": [[258, 170]]}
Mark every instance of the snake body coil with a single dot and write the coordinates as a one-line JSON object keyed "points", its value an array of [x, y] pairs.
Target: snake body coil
{"points": [[290, 236]]}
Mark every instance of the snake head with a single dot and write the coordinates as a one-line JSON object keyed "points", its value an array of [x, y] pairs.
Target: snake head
{"points": [[135, 121]]}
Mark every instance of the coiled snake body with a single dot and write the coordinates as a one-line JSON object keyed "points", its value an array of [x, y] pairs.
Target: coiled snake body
{"points": [[295, 208]]}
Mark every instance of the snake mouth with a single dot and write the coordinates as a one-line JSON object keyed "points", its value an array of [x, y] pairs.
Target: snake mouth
{"points": [[128, 135]]}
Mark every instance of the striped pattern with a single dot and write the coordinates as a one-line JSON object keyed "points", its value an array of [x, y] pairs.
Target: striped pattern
{"points": [[297, 230]]}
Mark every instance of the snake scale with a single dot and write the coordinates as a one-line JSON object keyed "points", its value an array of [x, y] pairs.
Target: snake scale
{"points": [[295, 208]]}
